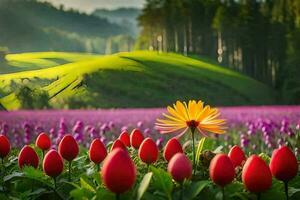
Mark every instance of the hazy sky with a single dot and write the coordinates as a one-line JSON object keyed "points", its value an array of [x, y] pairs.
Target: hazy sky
{"points": [[90, 5]]}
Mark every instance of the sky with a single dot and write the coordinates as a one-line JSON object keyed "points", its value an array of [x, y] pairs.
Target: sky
{"points": [[90, 5]]}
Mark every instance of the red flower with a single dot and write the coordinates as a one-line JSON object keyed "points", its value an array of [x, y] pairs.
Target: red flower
{"points": [[125, 138], [4, 146], [118, 144], [43, 141], [118, 172], [180, 167], [97, 151], [28, 157], [236, 156], [53, 164], [256, 175], [172, 147], [68, 147], [283, 164], [136, 138], [148, 151], [221, 170]]}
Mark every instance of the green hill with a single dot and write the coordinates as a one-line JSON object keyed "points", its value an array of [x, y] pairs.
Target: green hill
{"points": [[31, 25], [136, 79]]}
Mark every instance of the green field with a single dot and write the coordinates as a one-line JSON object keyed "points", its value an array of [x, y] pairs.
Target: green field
{"points": [[136, 79]]}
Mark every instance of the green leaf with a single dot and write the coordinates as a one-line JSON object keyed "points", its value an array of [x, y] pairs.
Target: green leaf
{"points": [[293, 191], [144, 185], [265, 157], [84, 184], [204, 144], [104, 194], [12, 176], [195, 188], [162, 181]]}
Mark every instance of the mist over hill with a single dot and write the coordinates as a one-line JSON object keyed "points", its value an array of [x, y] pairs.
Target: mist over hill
{"points": [[125, 17], [29, 25]]}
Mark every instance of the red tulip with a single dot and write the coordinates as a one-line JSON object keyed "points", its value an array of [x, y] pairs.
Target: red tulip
{"points": [[43, 142], [125, 138], [221, 170], [53, 164], [118, 171], [97, 151], [28, 157], [283, 164], [136, 138], [180, 167], [68, 147], [172, 147], [118, 144], [4, 146], [148, 151], [236, 156], [256, 175]]}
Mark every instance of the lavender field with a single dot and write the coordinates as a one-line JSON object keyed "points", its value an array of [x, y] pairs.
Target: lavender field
{"points": [[258, 129]]}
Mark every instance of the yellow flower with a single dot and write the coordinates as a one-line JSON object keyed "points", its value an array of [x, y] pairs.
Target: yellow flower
{"points": [[194, 116]]}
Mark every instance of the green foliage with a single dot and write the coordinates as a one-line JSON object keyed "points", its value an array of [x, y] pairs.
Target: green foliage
{"points": [[30, 183], [32, 98]]}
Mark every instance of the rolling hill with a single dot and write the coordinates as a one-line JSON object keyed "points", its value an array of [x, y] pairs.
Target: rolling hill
{"points": [[135, 79]]}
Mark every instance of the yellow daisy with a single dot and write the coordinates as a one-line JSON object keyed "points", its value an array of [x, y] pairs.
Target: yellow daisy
{"points": [[194, 116]]}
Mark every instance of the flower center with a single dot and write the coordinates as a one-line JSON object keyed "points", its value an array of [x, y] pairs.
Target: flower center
{"points": [[192, 124]]}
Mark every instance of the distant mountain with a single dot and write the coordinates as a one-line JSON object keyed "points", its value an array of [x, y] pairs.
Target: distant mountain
{"points": [[125, 17], [29, 25]]}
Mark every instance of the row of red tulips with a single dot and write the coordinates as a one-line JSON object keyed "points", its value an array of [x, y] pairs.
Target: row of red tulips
{"points": [[256, 174]]}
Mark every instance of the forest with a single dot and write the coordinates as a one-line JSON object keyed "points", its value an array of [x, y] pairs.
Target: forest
{"points": [[260, 38]]}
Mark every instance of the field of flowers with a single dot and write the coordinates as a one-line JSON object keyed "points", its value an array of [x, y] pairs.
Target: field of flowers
{"points": [[59, 154]]}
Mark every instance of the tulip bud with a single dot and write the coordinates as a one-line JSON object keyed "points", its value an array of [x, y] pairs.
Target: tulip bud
{"points": [[180, 167], [97, 151], [28, 157], [53, 164], [236, 156], [136, 138], [283, 164], [148, 151], [256, 175], [221, 170], [118, 144], [118, 172], [172, 147], [125, 138], [68, 147], [43, 141], [4, 146]]}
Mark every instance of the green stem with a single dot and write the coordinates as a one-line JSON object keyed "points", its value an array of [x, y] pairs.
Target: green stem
{"points": [[258, 196], [194, 154], [118, 196], [98, 167], [43, 154], [181, 191], [148, 167], [54, 180], [70, 167], [286, 189], [223, 193]]}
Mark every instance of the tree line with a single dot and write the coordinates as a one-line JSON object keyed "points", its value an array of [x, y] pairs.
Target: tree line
{"points": [[260, 38]]}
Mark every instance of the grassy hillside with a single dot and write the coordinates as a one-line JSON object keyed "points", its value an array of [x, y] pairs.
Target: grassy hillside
{"points": [[136, 79]]}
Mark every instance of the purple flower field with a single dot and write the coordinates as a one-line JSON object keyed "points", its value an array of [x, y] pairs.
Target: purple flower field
{"points": [[254, 128]]}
